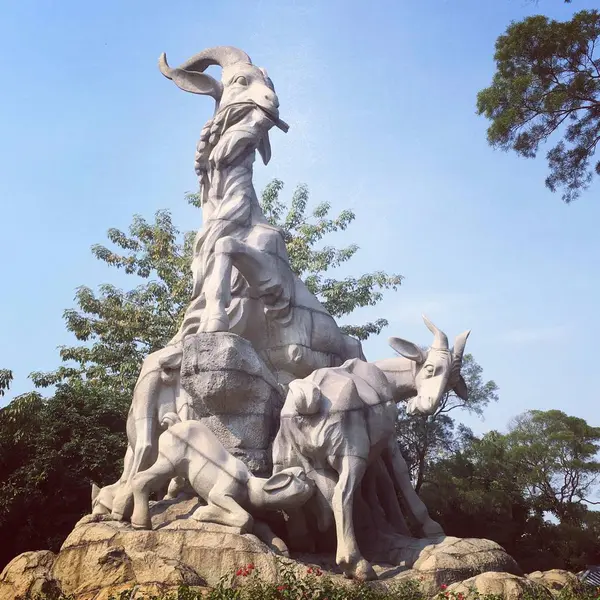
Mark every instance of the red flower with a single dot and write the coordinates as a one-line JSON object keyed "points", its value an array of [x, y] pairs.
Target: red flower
{"points": [[250, 566], [245, 573], [443, 586], [239, 572], [281, 588], [309, 570]]}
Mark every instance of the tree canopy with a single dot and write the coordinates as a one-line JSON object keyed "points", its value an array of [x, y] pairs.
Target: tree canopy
{"points": [[557, 457], [6, 377], [547, 86], [120, 327], [504, 487]]}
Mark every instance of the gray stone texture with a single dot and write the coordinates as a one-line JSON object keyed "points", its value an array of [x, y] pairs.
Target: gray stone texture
{"points": [[233, 393]]}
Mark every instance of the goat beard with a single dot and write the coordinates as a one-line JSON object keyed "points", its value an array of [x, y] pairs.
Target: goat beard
{"points": [[247, 129]]}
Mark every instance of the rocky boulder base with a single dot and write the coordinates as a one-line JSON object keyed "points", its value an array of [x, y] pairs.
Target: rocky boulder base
{"points": [[104, 557], [28, 575], [503, 585], [234, 394], [554, 580]]}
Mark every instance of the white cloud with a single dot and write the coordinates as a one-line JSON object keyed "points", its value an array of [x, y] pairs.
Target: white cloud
{"points": [[534, 335]]}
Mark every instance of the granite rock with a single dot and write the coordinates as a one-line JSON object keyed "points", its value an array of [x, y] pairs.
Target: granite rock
{"points": [[28, 574], [505, 585], [554, 580], [103, 557], [234, 394]]}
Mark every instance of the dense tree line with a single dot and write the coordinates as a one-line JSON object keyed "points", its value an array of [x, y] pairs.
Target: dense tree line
{"points": [[529, 489]]}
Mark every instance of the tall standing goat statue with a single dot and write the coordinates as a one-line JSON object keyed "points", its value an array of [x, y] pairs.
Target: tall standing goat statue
{"points": [[242, 280]]}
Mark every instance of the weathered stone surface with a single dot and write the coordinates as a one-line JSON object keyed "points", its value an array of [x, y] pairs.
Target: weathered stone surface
{"points": [[189, 449], [554, 580], [99, 557], [443, 561], [233, 393], [504, 585], [103, 557], [28, 574]]}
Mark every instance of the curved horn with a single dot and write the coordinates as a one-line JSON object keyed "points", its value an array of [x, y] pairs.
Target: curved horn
{"points": [[440, 340], [459, 350], [223, 56]]}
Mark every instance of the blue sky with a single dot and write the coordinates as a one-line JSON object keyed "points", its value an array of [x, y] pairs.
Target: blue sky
{"points": [[380, 97]]}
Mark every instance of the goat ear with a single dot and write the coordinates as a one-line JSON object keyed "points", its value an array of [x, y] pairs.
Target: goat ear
{"points": [[277, 482], [264, 148], [460, 388], [197, 83], [407, 349]]}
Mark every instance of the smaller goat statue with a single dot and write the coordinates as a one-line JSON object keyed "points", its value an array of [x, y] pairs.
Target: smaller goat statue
{"points": [[339, 422], [188, 449]]}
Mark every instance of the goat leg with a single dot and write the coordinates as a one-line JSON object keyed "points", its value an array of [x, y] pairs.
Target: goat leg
{"points": [[351, 470]]}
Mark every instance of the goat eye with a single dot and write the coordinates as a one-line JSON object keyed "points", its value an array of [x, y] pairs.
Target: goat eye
{"points": [[241, 80]]}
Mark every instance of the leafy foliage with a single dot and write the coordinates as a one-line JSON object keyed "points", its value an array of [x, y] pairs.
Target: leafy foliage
{"points": [[473, 492], [6, 377], [494, 487], [50, 452], [558, 462], [547, 82], [119, 328], [425, 439], [302, 233]]}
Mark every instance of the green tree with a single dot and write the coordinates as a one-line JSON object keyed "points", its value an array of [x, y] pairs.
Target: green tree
{"points": [[6, 377], [547, 83], [502, 487], [558, 462], [120, 327], [473, 492], [425, 439], [50, 452]]}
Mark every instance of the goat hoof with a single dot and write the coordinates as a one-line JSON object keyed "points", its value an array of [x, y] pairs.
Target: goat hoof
{"points": [[362, 571], [142, 525]]}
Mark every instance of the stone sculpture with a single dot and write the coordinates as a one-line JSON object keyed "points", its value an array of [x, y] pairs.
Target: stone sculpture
{"points": [[210, 408], [190, 450], [253, 330], [338, 421], [242, 281]]}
